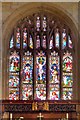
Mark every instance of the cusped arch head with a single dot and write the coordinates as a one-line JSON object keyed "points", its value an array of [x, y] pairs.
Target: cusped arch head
{"points": [[31, 8]]}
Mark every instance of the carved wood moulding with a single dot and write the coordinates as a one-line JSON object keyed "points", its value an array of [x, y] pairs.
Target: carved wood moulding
{"points": [[39, 106]]}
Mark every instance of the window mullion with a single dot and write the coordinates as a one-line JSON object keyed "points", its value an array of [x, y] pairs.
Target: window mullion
{"points": [[47, 75], [67, 37], [61, 55], [21, 64], [47, 61], [34, 61]]}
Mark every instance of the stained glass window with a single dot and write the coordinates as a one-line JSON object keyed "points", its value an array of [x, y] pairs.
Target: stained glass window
{"points": [[14, 81], [11, 42], [14, 62], [27, 67], [40, 60], [40, 76], [51, 43], [57, 38], [25, 38], [37, 41], [67, 81], [69, 41], [54, 92], [38, 23], [18, 38], [44, 41], [27, 92], [27, 76], [41, 68], [67, 94], [44, 23], [40, 92], [54, 67], [30, 41], [54, 64], [64, 39], [14, 68]]}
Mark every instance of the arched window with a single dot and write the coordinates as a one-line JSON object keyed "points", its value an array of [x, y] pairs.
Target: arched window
{"points": [[41, 60]]}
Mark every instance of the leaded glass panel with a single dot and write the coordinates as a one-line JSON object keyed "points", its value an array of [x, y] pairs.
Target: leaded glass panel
{"points": [[25, 37], [40, 60], [57, 39], [18, 38]]}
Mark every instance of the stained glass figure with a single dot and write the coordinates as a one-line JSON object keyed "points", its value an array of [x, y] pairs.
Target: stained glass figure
{"points": [[27, 92], [57, 38], [51, 43], [18, 38], [37, 41], [25, 37], [13, 81], [13, 93], [41, 67], [27, 67], [54, 92], [54, 63], [67, 93], [38, 23], [40, 92], [44, 41], [11, 42], [64, 39], [44, 24], [29, 21], [67, 62], [70, 42], [14, 61], [30, 42], [67, 80]]}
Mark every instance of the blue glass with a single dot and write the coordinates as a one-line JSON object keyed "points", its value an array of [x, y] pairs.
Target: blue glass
{"points": [[11, 42], [13, 81], [64, 39], [57, 39], [25, 38]]}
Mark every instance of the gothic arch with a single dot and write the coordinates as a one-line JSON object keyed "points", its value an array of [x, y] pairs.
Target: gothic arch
{"points": [[29, 9]]}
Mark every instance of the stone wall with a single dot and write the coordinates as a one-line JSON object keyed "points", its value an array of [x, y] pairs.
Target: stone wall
{"points": [[71, 8]]}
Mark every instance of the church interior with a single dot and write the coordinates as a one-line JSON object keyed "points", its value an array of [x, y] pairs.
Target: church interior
{"points": [[39, 57]]}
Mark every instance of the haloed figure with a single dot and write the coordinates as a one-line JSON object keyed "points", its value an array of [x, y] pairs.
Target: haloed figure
{"points": [[41, 71]]}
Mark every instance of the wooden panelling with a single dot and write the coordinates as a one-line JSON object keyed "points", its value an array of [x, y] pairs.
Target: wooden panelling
{"points": [[54, 111], [46, 116]]}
